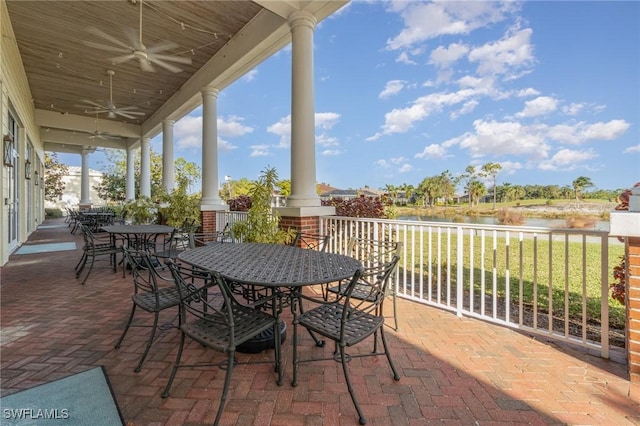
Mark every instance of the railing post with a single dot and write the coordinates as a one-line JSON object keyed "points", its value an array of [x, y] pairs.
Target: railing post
{"points": [[604, 305], [460, 271]]}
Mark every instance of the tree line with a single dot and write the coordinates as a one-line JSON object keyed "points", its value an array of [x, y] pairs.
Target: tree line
{"points": [[481, 184]]}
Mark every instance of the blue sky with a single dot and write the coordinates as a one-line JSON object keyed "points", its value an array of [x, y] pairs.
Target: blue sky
{"points": [[405, 90]]}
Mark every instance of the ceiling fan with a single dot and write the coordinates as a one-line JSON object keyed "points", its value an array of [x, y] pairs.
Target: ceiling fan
{"points": [[147, 56], [110, 108], [101, 135]]}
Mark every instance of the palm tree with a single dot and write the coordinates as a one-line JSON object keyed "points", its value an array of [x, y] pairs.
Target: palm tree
{"points": [[476, 190], [579, 184], [492, 169]]}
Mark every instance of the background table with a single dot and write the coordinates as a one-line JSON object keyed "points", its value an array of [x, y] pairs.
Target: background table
{"points": [[138, 236]]}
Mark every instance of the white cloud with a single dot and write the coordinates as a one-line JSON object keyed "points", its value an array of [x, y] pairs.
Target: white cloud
{"points": [[400, 120], [432, 151], [251, 75], [539, 106], [188, 131], [404, 58], [260, 151], [443, 57], [504, 55], [581, 132], [527, 92], [331, 152], [424, 21], [323, 121], [567, 159], [382, 163], [406, 168], [632, 149], [326, 120], [232, 126], [505, 138], [467, 108], [573, 109], [392, 87], [397, 160]]}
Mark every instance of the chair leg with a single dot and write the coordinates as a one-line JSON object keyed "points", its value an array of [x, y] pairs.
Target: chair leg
{"points": [[343, 359], [294, 381], [126, 328], [93, 259], [395, 311], [225, 388], [151, 337], [165, 393], [396, 376], [81, 263]]}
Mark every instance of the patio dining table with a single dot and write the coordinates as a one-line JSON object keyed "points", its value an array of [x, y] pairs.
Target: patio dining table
{"points": [[271, 265], [275, 267], [139, 237]]}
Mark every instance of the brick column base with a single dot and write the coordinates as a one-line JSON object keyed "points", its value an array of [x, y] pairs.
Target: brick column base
{"points": [[633, 314], [309, 224], [208, 220]]}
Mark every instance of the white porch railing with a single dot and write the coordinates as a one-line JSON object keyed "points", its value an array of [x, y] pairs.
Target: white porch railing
{"points": [[496, 273], [500, 274]]}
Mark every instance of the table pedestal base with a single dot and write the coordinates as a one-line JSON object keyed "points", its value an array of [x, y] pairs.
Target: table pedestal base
{"points": [[262, 341]]}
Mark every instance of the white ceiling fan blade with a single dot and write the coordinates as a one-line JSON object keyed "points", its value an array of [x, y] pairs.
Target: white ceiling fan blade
{"points": [[95, 104], [179, 59], [163, 45], [127, 115], [106, 47], [134, 38], [121, 59], [164, 64], [108, 37], [128, 108], [145, 65]]}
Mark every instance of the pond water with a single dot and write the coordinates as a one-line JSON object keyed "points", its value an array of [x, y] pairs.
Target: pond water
{"points": [[600, 225]]}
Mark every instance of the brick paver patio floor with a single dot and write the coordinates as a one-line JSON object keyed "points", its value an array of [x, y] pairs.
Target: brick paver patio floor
{"points": [[453, 370]]}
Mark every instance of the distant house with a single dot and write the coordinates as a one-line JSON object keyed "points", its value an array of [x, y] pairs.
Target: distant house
{"points": [[70, 198], [346, 194]]}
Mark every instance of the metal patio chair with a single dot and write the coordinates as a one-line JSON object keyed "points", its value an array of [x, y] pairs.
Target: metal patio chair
{"points": [[348, 321], [372, 253], [95, 247], [210, 315], [152, 292]]}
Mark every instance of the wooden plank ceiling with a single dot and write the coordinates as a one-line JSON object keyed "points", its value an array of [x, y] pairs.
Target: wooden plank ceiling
{"points": [[67, 73]]}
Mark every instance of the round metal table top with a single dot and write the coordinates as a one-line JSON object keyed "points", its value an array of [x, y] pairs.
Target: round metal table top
{"points": [[138, 229], [271, 265]]}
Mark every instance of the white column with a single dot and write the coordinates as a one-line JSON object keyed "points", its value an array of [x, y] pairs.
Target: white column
{"points": [[85, 196], [130, 192], [145, 167], [303, 152], [168, 166], [210, 196]]}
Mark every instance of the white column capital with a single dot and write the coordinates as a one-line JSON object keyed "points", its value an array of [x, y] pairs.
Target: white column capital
{"points": [[302, 18], [210, 91], [168, 122]]}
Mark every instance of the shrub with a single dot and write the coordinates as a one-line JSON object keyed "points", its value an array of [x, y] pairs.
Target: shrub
{"points": [[362, 206], [240, 204], [578, 221], [618, 287], [52, 213], [509, 217]]}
